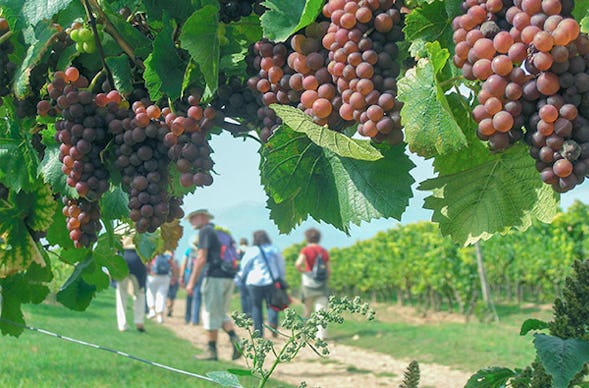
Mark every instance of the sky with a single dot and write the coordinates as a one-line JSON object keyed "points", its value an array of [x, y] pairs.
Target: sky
{"points": [[238, 182]]}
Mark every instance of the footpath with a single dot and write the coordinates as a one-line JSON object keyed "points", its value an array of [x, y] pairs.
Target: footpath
{"points": [[346, 366]]}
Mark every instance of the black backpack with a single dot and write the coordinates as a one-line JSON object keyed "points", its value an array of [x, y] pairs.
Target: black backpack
{"points": [[161, 265], [319, 271]]}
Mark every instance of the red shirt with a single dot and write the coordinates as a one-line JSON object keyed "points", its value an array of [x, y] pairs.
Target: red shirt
{"points": [[310, 252]]}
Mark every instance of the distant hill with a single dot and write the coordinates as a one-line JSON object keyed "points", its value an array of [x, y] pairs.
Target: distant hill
{"points": [[243, 219]]}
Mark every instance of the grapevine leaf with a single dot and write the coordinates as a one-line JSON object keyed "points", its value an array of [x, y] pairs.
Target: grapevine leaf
{"points": [[38, 207], [164, 69], [75, 255], [148, 245], [38, 10], [12, 10], [171, 234], [174, 187], [76, 293], [24, 287], [562, 359], [581, 9], [106, 256], [113, 204], [584, 23], [39, 40], [532, 324], [141, 45], [485, 198], [121, 73], [199, 36], [57, 234], [22, 213], [240, 372], [336, 142], [178, 9], [283, 18], [432, 22], [430, 126], [224, 378], [18, 158], [495, 377], [50, 168], [303, 179]]}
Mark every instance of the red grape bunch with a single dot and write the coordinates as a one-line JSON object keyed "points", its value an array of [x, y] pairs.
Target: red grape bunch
{"points": [[363, 62], [83, 220]]}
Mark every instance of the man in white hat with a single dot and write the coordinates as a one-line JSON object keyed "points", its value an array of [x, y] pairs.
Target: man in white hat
{"points": [[217, 286]]}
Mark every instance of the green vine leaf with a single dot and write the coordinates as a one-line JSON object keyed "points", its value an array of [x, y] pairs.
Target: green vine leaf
{"points": [[224, 378], [38, 207], [24, 287], [486, 198], [199, 36], [495, 377], [532, 324], [38, 10], [164, 70], [50, 169], [76, 293], [284, 18], [562, 359], [18, 158], [148, 245], [121, 73], [106, 256], [303, 179], [431, 22], [581, 9], [113, 204], [430, 126], [336, 142], [57, 234], [39, 39]]}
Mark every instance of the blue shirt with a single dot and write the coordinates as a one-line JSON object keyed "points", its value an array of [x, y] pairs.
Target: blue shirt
{"points": [[254, 268]]}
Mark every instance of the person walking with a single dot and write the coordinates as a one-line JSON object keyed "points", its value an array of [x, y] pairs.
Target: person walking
{"points": [[194, 299], [315, 292], [217, 286], [134, 285], [158, 282], [244, 296], [174, 285], [260, 264]]}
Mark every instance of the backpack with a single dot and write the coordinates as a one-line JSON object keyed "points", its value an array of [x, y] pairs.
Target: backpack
{"points": [[229, 256], [319, 271], [161, 265]]}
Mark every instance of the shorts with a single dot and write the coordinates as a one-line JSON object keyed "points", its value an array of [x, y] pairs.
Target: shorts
{"points": [[216, 300]]}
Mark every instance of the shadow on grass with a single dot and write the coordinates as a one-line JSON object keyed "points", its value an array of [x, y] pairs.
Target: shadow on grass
{"points": [[508, 310]]}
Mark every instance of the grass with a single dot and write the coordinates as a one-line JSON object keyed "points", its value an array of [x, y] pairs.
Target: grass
{"points": [[39, 360], [467, 347]]}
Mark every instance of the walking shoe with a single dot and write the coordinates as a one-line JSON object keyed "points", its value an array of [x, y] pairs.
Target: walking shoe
{"points": [[208, 355], [236, 348], [160, 318]]}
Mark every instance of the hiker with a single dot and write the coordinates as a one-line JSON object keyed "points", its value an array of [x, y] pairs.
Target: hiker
{"points": [[315, 291], [217, 286], [158, 282], [261, 264], [133, 284]]}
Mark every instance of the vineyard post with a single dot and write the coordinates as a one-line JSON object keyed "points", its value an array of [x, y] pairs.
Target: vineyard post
{"points": [[484, 283]]}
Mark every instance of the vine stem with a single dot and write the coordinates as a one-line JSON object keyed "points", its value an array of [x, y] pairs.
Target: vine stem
{"points": [[6, 36], [92, 22], [112, 31], [95, 80]]}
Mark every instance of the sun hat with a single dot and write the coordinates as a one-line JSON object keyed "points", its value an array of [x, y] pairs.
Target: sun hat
{"points": [[197, 212]]}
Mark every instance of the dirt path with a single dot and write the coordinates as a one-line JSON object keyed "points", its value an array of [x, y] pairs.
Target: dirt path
{"points": [[347, 366]]}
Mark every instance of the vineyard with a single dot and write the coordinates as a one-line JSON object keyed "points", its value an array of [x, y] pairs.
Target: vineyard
{"points": [[415, 265], [108, 108]]}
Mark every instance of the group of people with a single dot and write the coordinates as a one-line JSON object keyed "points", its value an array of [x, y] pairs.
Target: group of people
{"points": [[210, 283]]}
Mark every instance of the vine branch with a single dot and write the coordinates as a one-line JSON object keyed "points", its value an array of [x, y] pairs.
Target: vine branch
{"points": [[6, 36], [92, 22], [112, 31]]}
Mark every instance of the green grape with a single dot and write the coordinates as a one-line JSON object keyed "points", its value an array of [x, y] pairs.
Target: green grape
{"points": [[75, 35], [89, 46], [85, 35]]}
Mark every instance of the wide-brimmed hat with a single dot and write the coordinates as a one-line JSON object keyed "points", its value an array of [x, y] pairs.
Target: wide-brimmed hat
{"points": [[199, 211]]}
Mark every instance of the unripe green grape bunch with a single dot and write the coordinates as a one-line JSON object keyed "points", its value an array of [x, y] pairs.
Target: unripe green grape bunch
{"points": [[83, 37]]}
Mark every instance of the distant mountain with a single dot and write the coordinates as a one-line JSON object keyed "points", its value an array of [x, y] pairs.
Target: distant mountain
{"points": [[245, 218]]}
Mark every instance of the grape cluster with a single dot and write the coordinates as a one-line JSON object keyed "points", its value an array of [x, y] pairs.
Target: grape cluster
{"points": [[7, 68], [83, 220], [362, 51], [83, 37], [529, 55], [233, 10], [83, 131]]}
